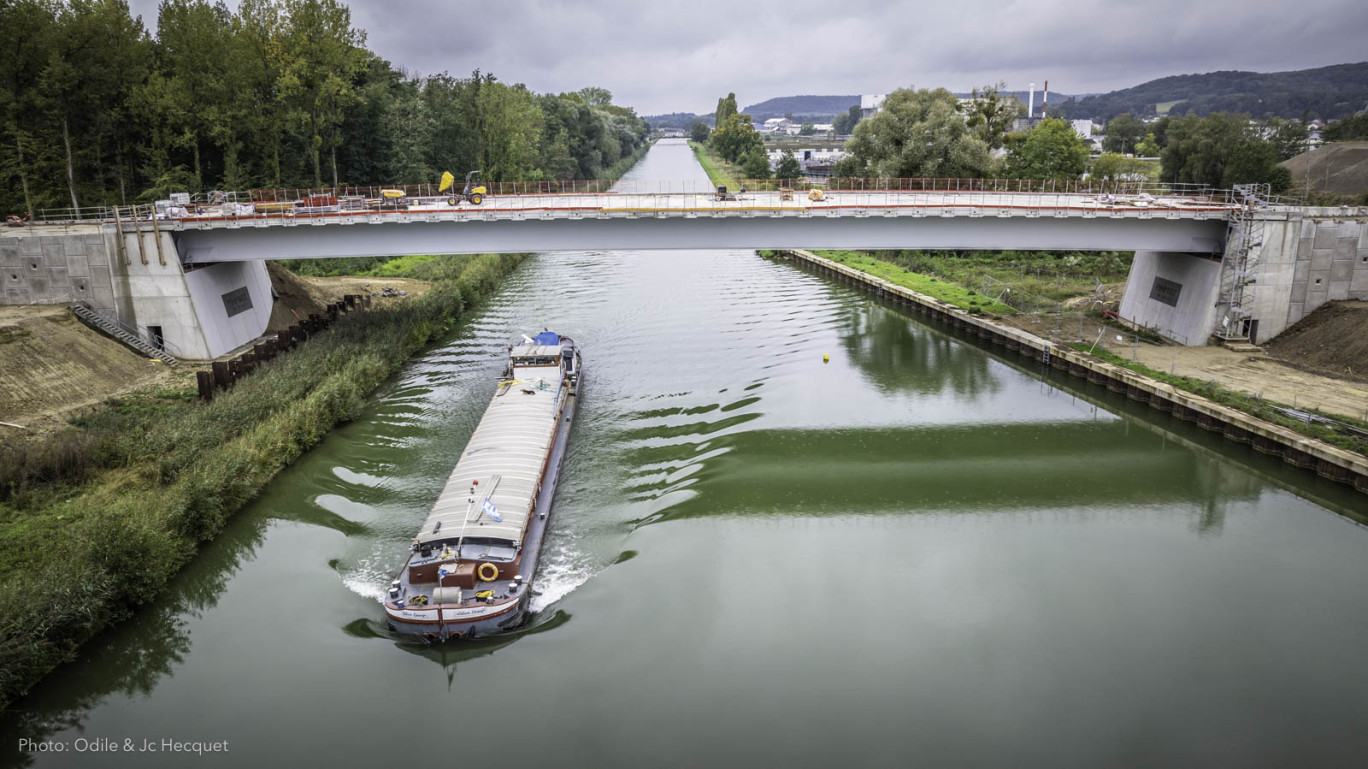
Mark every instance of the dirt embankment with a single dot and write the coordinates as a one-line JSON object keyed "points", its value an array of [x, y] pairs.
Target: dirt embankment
{"points": [[297, 296], [1333, 340], [1340, 167], [52, 364]]}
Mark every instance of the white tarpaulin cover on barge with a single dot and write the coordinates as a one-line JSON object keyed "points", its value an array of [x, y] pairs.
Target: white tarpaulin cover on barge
{"points": [[506, 456]]}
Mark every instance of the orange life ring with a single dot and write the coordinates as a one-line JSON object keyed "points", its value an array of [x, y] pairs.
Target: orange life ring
{"points": [[489, 576]]}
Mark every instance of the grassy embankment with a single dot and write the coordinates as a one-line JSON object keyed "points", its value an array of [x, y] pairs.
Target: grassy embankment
{"points": [[960, 296], [95, 520], [719, 171], [1254, 406], [1039, 280]]}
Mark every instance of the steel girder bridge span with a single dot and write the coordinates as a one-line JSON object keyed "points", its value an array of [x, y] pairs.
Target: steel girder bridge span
{"points": [[752, 220]]}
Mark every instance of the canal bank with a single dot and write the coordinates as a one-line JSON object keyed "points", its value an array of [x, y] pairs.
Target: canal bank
{"points": [[1325, 460]]}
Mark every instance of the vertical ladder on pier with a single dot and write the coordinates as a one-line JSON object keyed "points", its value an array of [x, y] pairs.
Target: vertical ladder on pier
{"points": [[1240, 262], [122, 334]]}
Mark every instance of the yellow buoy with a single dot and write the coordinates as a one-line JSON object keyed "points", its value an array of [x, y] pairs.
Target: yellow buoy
{"points": [[826, 358]]}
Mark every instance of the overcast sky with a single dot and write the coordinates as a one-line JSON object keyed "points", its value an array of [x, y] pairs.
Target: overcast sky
{"points": [[664, 56]]}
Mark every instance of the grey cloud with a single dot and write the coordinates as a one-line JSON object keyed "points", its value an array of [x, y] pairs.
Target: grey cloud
{"points": [[680, 56]]}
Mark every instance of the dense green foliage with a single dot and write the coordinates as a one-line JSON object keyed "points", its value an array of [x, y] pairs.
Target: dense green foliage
{"points": [[788, 166], [990, 113], [1325, 92], [700, 132], [1039, 280], [737, 141], [96, 520], [279, 93], [962, 297], [1123, 133], [1050, 150], [1112, 167], [1353, 127], [1219, 150], [844, 123], [918, 134]]}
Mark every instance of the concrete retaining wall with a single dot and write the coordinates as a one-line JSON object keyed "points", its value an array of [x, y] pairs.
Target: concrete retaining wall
{"points": [[1266, 438], [56, 269], [1307, 261], [138, 279]]}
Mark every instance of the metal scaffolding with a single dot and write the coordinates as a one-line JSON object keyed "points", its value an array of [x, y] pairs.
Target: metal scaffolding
{"points": [[1240, 262]]}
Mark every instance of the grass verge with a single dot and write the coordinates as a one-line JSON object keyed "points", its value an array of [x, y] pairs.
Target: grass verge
{"points": [[964, 298], [1258, 407], [719, 171], [98, 526], [1039, 280]]}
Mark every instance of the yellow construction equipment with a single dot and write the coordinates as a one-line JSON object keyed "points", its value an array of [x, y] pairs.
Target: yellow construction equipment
{"points": [[471, 192]]}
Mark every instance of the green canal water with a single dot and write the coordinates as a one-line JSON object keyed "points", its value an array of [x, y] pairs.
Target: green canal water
{"points": [[921, 552]]}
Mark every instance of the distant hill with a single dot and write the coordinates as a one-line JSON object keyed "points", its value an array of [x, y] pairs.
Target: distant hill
{"points": [[681, 120], [801, 106], [1325, 92]]}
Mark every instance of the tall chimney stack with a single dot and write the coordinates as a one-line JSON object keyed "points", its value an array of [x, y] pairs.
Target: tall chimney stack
{"points": [[1030, 106], [1045, 101]]}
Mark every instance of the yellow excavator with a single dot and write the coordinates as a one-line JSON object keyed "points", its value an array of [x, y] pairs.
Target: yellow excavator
{"points": [[471, 192]]}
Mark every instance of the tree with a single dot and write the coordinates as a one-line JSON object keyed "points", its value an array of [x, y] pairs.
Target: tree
{"points": [[807, 129], [789, 167], [1348, 128], [726, 107], [94, 111], [320, 57], [755, 164], [844, 123], [699, 132], [195, 95], [1123, 132], [1148, 147], [1051, 150], [596, 97], [1220, 150], [509, 128], [990, 113], [26, 32], [918, 134], [1288, 137], [735, 137], [1114, 167], [1255, 161]]}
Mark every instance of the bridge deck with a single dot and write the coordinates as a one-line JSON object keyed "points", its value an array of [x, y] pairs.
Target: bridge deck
{"points": [[750, 204]]}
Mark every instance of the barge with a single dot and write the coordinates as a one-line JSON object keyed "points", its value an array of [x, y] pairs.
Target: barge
{"points": [[470, 566]]}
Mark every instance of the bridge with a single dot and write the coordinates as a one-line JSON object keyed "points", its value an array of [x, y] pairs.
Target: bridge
{"points": [[197, 281], [874, 219]]}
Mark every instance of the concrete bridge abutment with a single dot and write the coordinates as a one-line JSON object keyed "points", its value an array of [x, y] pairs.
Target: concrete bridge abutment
{"points": [[198, 312]]}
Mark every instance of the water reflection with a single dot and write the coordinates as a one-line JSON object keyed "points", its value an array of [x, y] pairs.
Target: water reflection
{"points": [[132, 658], [897, 354], [969, 468]]}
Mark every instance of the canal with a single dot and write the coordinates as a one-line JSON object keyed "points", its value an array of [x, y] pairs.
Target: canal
{"points": [[918, 552]]}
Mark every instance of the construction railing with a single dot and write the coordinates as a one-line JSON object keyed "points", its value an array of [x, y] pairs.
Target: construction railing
{"points": [[269, 203]]}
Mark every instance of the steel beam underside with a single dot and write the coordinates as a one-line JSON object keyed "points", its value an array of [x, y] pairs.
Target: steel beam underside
{"points": [[333, 240]]}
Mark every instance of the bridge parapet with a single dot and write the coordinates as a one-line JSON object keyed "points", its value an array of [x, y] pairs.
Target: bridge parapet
{"points": [[668, 194]]}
